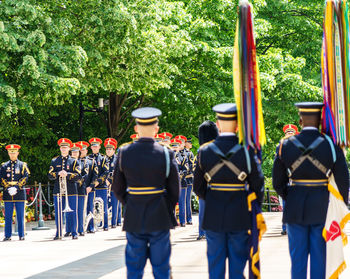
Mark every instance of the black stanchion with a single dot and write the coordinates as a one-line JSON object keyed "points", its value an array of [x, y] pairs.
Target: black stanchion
{"points": [[36, 203], [41, 225], [268, 199]]}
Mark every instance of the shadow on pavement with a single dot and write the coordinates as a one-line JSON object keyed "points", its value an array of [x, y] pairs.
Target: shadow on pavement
{"points": [[91, 267]]}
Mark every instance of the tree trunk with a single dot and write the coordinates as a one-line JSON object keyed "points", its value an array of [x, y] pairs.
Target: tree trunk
{"points": [[119, 119]]}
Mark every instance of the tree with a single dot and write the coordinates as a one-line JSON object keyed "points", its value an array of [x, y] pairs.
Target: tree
{"points": [[131, 46], [35, 65]]}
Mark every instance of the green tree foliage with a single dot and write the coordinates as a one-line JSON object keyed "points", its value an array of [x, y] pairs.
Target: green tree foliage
{"points": [[35, 64], [176, 55]]}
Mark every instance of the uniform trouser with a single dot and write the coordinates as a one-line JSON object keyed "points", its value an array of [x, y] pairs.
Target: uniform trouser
{"points": [[81, 203], [201, 232], [71, 217], [305, 241], [116, 210], [188, 203], [231, 245], [90, 208], [153, 245], [284, 226], [9, 205], [102, 193], [182, 205]]}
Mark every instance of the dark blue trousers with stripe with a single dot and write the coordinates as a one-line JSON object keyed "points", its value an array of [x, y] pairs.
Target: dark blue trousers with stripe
{"points": [[102, 193], [90, 208], [81, 202], [71, 217], [188, 203], [305, 241], [9, 205], [154, 246], [231, 245], [116, 211], [182, 205]]}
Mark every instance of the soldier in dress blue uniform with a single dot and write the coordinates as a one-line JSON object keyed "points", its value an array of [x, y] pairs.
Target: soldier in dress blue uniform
{"points": [[13, 177], [182, 160], [301, 169], [224, 171], [207, 133], [288, 130], [166, 138], [146, 181], [99, 181], [75, 153], [68, 168], [111, 145], [87, 173], [189, 179]]}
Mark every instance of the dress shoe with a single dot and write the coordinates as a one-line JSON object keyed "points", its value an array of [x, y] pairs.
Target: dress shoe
{"points": [[57, 238], [119, 224], [182, 225], [74, 237], [189, 223], [67, 234], [283, 232], [81, 234], [7, 239], [200, 237], [113, 226], [105, 229], [22, 238], [90, 232]]}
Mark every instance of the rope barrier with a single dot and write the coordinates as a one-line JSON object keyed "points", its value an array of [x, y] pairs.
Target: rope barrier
{"points": [[45, 200], [36, 196]]}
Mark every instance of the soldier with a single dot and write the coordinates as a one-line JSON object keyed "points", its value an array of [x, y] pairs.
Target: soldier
{"points": [[158, 138], [224, 171], [13, 176], [300, 175], [87, 187], [147, 182], [181, 158], [166, 138], [288, 130], [65, 170], [207, 133], [111, 145], [101, 163], [189, 179], [134, 137]]}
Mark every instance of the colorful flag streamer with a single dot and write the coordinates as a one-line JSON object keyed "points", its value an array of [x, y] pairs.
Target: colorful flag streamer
{"points": [[256, 233], [251, 127], [246, 81], [335, 64]]}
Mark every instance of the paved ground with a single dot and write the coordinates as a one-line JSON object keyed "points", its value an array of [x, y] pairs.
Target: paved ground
{"points": [[102, 255]]}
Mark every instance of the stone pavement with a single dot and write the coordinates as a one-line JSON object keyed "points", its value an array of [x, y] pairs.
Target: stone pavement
{"points": [[101, 255]]}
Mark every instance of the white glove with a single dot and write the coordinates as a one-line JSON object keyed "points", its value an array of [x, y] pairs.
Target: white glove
{"points": [[12, 191]]}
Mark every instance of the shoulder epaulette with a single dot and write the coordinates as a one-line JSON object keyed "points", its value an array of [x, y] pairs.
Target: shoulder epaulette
{"points": [[125, 144], [206, 143], [54, 158], [281, 144]]}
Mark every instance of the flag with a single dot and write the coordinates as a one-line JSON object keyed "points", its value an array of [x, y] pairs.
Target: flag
{"points": [[335, 66], [337, 216], [256, 233], [246, 80]]}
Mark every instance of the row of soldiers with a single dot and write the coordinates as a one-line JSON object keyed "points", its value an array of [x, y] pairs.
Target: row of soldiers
{"points": [[87, 177], [147, 180], [229, 179]]}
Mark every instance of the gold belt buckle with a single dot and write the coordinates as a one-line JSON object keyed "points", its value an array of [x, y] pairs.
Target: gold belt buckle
{"points": [[207, 177], [242, 176]]}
